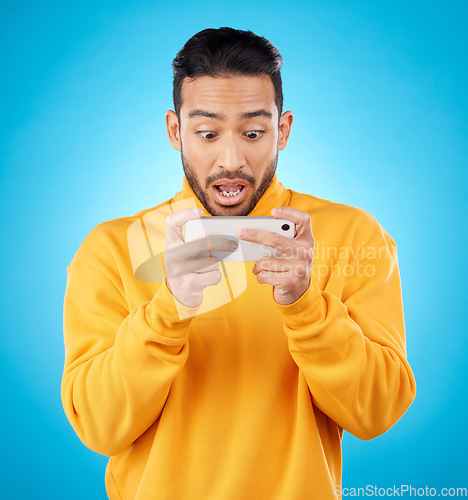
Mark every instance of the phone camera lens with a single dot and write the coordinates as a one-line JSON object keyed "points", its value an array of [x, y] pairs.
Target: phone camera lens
{"points": [[285, 227]]}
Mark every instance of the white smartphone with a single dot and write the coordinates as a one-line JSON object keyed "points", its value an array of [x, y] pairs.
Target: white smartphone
{"points": [[247, 251]]}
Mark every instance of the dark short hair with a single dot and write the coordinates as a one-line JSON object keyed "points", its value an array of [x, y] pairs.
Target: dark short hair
{"points": [[224, 52]]}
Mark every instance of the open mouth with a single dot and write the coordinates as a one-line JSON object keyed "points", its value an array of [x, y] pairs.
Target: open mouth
{"points": [[229, 194], [229, 191]]}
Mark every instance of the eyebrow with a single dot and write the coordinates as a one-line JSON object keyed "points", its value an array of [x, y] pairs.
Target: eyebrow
{"points": [[259, 112], [208, 114]]}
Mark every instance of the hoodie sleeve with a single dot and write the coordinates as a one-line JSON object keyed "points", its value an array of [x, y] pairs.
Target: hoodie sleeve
{"points": [[119, 364], [351, 349]]}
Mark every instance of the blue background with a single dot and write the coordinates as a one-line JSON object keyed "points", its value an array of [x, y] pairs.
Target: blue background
{"points": [[379, 95]]}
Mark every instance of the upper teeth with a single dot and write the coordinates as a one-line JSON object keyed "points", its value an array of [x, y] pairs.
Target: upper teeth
{"points": [[232, 193]]}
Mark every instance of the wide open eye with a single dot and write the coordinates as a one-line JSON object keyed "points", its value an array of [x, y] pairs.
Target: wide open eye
{"points": [[207, 134], [254, 134]]}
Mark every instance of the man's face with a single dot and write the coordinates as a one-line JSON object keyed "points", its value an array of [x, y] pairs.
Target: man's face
{"points": [[229, 136]]}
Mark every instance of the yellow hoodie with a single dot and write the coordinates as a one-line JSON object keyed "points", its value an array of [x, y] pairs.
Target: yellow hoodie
{"points": [[247, 400]]}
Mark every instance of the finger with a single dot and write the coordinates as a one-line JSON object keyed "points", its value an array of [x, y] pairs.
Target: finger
{"points": [[193, 282], [206, 265], [272, 265], [189, 266], [269, 278], [268, 238], [285, 266], [175, 221], [217, 243], [202, 247], [207, 279], [300, 218]]}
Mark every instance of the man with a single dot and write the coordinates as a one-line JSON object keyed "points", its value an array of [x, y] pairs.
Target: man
{"points": [[197, 397]]}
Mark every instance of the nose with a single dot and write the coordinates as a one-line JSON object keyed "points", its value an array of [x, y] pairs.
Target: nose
{"points": [[230, 154]]}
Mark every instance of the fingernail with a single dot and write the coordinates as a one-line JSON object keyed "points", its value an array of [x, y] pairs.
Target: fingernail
{"points": [[241, 232]]}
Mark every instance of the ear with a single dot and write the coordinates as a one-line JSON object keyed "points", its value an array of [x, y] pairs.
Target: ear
{"points": [[173, 130], [285, 124]]}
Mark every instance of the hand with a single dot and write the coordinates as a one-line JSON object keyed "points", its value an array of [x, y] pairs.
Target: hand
{"points": [[188, 272], [289, 273]]}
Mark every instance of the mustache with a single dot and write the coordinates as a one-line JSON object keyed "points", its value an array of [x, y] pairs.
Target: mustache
{"points": [[229, 175]]}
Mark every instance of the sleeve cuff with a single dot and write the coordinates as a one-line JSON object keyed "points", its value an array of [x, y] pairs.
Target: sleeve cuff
{"points": [[167, 316], [310, 308]]}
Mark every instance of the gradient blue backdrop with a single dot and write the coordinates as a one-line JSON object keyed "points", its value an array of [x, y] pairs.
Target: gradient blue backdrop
{"points": [[379, 95]]}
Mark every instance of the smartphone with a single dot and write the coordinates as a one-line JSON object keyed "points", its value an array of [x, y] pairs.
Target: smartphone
{"points": [[247, 251]]}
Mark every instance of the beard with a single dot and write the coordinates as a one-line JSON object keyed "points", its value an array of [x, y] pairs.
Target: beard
{"points": [[242, 208]]}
